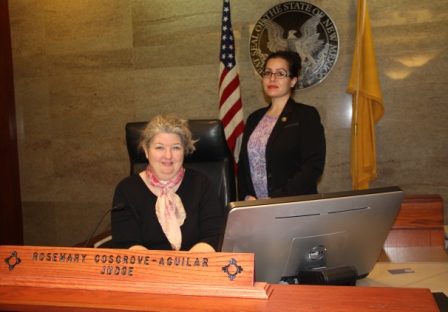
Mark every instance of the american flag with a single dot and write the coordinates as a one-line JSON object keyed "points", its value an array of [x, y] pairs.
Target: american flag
{"points": [[230, 105]]}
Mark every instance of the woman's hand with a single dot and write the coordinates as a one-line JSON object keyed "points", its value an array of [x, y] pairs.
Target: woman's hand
{"points": [[138, 247], [199, 247], [202, 247]]}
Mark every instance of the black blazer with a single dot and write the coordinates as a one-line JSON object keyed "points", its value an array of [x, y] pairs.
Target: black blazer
{"points": [[295, 152]]}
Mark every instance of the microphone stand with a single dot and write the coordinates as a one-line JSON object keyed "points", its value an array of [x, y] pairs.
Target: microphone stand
{"points": [[117, 207]]}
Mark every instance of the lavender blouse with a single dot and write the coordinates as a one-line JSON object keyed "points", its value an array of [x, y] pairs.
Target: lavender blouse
{"points": [[256, 149]]}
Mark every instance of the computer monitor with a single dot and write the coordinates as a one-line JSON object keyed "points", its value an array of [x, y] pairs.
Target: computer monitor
{"points": [[301, 233]]}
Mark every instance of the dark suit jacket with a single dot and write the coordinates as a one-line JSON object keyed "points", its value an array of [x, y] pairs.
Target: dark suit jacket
{"points": [[295, 152]]}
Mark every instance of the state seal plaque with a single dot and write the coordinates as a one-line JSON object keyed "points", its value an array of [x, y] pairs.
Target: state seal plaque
{"points": [[300, 27]]}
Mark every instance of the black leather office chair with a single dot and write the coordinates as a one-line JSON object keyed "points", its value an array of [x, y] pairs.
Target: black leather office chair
{"points": [[212, 156]]}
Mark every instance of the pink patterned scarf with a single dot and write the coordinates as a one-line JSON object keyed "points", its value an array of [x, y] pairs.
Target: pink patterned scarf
{"points": [[169, 208]]}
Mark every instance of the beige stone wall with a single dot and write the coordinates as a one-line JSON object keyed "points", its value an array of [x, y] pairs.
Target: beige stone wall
{"points": [[84, 68]]}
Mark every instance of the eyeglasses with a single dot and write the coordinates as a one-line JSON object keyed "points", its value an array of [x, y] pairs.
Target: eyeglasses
{"points": [[278, 75]]}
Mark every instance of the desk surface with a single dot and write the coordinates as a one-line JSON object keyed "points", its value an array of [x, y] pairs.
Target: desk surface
{"points": [[433, 276], [283, 298]]}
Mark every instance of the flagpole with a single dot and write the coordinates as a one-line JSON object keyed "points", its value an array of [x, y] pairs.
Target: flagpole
{"points": [[359, 35]]}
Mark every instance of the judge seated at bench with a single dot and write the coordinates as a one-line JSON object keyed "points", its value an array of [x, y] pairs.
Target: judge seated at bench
{"points": [[167, 206]]}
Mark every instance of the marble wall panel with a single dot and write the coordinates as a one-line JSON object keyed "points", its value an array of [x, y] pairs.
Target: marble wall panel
{"points": [[27, 23], [85, 172], [84, 25], [75, 223], [91, 105], [90, 61], [163, 24], [85, 68], [34, 139], [190, 91], [39, 223], [32, 109]]}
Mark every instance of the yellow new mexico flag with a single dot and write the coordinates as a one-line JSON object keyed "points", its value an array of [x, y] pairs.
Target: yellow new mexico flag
{"points": [[364, 85]]}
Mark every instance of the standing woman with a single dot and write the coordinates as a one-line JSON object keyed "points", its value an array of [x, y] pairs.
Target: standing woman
{"points": [[283, 147], [167, 207]]}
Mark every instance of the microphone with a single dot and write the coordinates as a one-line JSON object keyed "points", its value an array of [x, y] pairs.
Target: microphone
{"points": [[117, 207]]}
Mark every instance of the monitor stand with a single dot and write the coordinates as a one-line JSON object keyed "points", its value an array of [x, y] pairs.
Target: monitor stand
{"points": [[340, 276]]}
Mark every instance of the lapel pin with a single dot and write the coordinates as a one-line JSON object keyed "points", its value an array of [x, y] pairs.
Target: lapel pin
{"points": [[284, 119]]}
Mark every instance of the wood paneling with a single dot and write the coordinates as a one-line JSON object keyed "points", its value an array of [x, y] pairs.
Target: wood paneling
{"points": [[419, 223]]}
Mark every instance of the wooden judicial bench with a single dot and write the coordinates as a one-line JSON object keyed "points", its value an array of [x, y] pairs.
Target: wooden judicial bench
{"points": [[36, 278], [33, 278], [419, 223]]}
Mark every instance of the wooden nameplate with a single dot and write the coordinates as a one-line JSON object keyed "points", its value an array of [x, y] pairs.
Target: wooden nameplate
{"points": [[159, 272]]}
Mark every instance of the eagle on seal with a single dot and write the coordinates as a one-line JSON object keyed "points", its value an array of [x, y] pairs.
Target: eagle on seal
{"points": [[305, 46]]}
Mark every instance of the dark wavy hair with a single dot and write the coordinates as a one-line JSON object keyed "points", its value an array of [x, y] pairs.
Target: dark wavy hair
{"points": [[292, 58]]}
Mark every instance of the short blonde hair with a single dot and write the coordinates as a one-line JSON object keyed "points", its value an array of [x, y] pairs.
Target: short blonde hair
{"points": [[168, 123]]}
